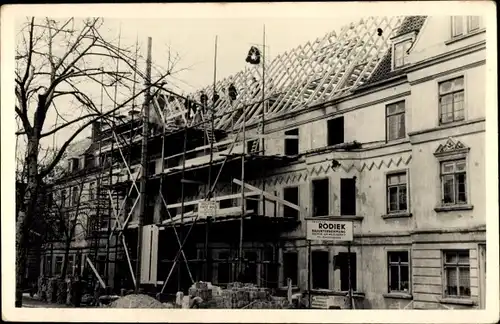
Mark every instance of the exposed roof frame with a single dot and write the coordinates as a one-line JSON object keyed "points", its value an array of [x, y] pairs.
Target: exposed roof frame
{"points": [[316, 72]]}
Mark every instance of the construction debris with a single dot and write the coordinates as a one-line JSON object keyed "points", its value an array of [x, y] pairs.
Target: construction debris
{"points": [[237, 295], [137, 301]]}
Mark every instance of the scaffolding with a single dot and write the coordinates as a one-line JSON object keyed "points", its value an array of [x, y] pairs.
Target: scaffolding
{"points": [[326, 69]]}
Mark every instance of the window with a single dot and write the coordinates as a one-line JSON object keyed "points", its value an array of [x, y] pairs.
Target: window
{"points": [[396, 193], [292, 144], [48, 265], [343, 262], [348, 196], [290, 267], [75, 196], [319, 269], [251, 266], [63, 198], [335, 131], [457, 273], [104, 224], [321, 196], [152, 167], [395, 121], [58, 264], [270, 269], [91, 190], [399, 271], [252, 204], [454, 182], [225, 203], [224, 268], [401, 53], [462, 25], [71, 264], [75, 164], [451, 100], [291, 194], [101, 265], [252, 146]]}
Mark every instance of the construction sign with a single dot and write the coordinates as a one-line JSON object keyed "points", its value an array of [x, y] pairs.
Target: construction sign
{"points": [[328, 230], [207, 208]]}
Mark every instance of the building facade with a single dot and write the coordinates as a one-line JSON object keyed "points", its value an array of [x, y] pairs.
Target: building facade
{"points": [[401, 156]]}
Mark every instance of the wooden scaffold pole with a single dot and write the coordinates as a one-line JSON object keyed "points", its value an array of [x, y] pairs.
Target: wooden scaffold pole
{"points": [[145, 133], [213, 138]]}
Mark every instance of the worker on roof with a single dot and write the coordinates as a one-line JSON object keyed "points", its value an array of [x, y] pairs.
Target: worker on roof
{"points": [[216, 98], [256, 87], [190, 107], [232, 93], [203, 100]]}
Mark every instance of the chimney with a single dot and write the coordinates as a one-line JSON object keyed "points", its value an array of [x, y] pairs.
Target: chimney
{"points": [[96, 131]]}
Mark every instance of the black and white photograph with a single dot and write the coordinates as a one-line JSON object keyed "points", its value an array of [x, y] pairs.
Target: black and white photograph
{"points": [[250, 157]]}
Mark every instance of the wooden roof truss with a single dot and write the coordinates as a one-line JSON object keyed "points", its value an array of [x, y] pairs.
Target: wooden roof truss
{"points": [[319, 71]]}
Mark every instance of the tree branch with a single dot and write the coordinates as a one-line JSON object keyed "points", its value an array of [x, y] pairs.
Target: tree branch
{"points": [[63, 148], [30, 53]]}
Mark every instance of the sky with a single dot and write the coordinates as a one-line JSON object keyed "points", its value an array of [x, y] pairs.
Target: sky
{"points": [[194, 41]]}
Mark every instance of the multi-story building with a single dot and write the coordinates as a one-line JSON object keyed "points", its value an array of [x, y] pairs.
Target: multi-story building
{"points": [[398, 150]]}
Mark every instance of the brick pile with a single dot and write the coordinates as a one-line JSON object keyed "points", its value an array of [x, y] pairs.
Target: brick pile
{"points": [[237, 295]]}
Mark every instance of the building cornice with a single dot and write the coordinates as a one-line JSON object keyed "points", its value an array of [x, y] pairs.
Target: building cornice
{"points": [[338, 112]]}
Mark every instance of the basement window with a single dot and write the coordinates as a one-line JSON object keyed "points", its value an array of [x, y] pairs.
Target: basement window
{"points": [[321, 197], [348, 196], [292, 144], [291, 194], [341, 262], [290, 267], [319, 269], [335, 128]]}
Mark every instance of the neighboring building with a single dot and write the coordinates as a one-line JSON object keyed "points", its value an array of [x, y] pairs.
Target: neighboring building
{"points": [[400, 154]]}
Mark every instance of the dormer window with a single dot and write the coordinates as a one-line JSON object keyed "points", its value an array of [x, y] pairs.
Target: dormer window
{"points": [[463, 25], [401, 53], [74, 164]]}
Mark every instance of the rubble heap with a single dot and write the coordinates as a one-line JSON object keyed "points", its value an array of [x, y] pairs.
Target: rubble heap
{"points": [[136, 301]]}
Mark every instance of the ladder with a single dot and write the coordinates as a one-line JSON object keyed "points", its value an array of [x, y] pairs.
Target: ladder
{"points": [[256, 142], [210, 134]]}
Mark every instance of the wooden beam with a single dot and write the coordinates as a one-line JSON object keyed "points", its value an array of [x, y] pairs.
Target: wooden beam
{"points": [[192, 181], [273, 136], [270, 196], [128, 260], [219, 198], [96, 273]]}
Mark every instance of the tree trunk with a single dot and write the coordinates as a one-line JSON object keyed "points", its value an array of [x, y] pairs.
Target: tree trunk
{"points": [[66, 255], [26, 214]]}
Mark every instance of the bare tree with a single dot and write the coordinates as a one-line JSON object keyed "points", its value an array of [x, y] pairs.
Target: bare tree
{"points": [[60, 63]]}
